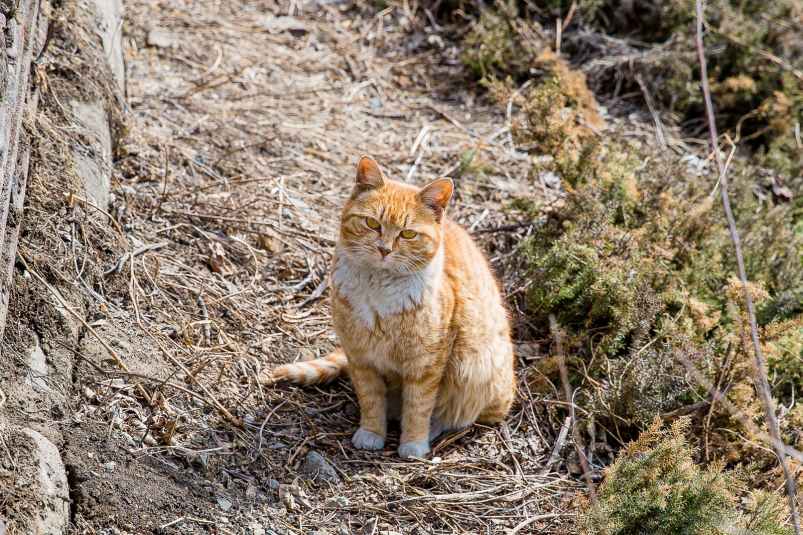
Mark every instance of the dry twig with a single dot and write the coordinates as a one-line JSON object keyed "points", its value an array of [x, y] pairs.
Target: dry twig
{"points": [[579, 443], [763, 385]]}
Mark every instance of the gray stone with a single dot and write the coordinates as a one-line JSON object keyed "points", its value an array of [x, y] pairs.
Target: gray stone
{"points": [[37, 362], [319, 469], [95, 169], [48, 480], [224, 504], [369, 527], [110, 31], [339, 501], [162, 39]]}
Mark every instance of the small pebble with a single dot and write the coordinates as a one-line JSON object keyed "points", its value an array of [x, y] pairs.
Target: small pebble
{"points": [[339, 501], [375, 103], [319, 469], [369, 527], [224, 504]]}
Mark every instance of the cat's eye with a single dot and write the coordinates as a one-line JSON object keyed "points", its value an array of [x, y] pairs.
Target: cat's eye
{"points": [[407, 233], [372, 223]]}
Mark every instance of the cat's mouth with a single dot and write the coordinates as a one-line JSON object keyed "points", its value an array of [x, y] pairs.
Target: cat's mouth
{"points": [[386, 261]]}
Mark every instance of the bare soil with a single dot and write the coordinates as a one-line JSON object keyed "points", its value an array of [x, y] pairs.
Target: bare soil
{"points": [[235, 150]]}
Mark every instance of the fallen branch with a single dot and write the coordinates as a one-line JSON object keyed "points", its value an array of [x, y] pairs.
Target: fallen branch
{"points": [[532, 519], [508, 228], [686, 409], [553, 457], [118, 267], [73, 197], [764, 394]]}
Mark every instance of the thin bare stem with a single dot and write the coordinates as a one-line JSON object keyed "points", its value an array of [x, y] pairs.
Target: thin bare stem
{"points": [[764, 394], [579, 444], [718, 396]]}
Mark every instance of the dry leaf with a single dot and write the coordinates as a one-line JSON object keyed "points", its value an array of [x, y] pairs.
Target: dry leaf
{"points": [[286, 496], [218, 261], [269, 243]]}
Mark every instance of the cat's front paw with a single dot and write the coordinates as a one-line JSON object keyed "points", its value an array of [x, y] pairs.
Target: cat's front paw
{"points": [[413, 449], [367, 440]]}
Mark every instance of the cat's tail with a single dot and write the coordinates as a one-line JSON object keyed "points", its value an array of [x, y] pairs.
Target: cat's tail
{"points": [[319, 371]]}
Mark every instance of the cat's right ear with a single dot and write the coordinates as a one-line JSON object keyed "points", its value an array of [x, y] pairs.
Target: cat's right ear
{"points": [[369, 176]]}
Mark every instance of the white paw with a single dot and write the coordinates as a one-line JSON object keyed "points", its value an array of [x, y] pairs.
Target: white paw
{"points": [[367, 440], [413, 449]]}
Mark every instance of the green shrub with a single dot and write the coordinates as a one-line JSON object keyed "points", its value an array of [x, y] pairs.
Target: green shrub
{"points": [[755, 51], [655, 488], [502, 42]]}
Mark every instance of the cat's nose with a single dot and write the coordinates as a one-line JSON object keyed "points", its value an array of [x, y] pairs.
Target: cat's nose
{"points": [[384, 250]]}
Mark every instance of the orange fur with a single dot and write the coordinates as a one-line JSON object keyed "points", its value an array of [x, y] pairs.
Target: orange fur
{"points": [[421, 320]]}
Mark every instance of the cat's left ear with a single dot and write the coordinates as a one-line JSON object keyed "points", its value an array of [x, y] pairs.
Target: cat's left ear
{"points": [[436, 195]]}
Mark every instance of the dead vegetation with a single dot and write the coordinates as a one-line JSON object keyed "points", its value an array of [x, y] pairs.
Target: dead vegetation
{"points": [[243, 129], [243, 123]]}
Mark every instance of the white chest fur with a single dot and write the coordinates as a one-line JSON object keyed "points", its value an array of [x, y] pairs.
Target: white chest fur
{"points": [[381, 293]]}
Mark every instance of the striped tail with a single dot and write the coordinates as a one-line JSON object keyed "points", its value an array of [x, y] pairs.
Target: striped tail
{"points": [[319, 371]]}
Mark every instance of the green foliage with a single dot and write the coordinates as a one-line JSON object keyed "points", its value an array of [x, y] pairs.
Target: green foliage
{"points": [[500, 41], [755, 55], [639, 255], [655, 488], [548, 120], [635, 254], [466, 159]]}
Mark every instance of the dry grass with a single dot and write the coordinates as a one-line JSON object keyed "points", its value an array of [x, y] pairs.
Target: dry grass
{"points": [[243, 140]]}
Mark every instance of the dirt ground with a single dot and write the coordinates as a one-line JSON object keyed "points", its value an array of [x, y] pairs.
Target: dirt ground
{"points": [[243, 127]]}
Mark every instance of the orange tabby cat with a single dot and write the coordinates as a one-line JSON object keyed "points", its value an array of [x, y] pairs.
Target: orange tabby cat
{"points": [[424, 332]]}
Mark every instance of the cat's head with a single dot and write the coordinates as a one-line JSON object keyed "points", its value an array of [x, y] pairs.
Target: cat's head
{"points": [[393, 226]]}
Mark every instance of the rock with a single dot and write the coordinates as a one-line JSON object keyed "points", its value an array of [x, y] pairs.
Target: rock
{"points": [[47, 479], [319, 469], [223, 503], [286, 24], [375, 103], [162, 39], [339, 501], [109, 466], [111, 15], [37, 362], [94, 169], [317, 533], [369, 527]]}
